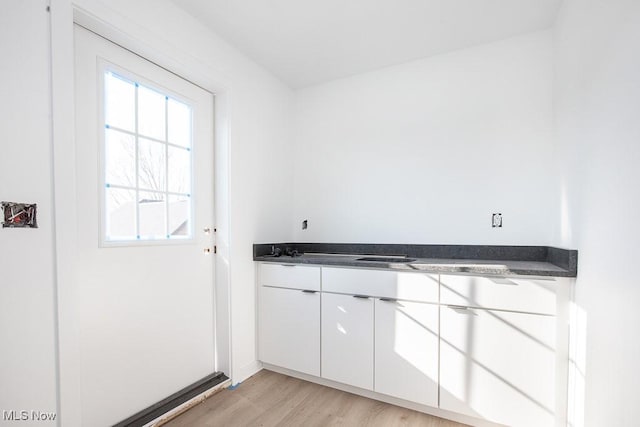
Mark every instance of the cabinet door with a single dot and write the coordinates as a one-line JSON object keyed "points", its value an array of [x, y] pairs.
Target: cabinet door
{"points": [[289, 329], [406, 350], [347, 339], [498, 365]]}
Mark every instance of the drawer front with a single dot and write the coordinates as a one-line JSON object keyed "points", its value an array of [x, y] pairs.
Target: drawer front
{"points": [[381, 283], [290, 276], [528, 295]]}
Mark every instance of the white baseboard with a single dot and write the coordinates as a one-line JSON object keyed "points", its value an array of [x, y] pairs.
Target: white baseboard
{"points": [[240, 374]]}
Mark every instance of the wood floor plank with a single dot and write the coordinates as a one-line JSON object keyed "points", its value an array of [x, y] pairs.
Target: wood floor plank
{"points": [[269, 399]]}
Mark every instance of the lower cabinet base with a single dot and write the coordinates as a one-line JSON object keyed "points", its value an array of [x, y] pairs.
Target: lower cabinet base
{"points": [[383, 398]]}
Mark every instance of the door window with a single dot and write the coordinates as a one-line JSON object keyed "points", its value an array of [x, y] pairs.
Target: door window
{"points": [[147, 162]]}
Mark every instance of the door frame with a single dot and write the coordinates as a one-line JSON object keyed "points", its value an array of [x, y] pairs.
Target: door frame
{"points": [[118, 29]]}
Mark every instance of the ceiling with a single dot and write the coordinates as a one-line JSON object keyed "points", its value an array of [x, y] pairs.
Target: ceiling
{"points": [[305, 42]]}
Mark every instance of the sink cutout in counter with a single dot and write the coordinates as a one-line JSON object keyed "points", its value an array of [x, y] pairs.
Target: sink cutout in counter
{"points": [[388, 259]]}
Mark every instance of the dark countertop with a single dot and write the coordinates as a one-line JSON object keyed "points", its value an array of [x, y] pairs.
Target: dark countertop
{"points": [[467, 259]]}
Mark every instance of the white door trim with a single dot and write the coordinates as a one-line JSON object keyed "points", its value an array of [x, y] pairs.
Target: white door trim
{"points": [[105, 22]]}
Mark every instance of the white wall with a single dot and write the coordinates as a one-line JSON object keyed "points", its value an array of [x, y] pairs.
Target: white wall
{"points": [[27, 311], [597, 114], [426, 151]]}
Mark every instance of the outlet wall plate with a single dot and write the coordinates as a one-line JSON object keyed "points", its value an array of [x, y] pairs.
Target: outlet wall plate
{"points": [[496, 220]]}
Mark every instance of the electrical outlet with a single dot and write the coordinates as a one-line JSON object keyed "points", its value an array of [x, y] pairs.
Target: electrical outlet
{"points": [[19, 215], [496, 220], [305, 224]]}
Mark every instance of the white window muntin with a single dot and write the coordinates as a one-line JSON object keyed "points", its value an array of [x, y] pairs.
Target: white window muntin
{"points": [[106, 70]]}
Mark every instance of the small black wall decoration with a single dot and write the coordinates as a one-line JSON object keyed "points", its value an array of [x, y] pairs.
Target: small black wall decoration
{"points": [[19, 215]]}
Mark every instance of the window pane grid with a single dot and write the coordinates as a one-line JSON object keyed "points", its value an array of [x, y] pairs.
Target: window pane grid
{"points": [[162, 182], [160, 141], [147, 190]]}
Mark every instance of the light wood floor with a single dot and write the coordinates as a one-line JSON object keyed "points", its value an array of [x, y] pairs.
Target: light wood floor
{"points": [[272, 399]]}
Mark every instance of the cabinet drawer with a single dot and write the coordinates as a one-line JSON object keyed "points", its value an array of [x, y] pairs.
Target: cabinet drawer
{"points": [[290, 276], [380, 283], [528, 295]]}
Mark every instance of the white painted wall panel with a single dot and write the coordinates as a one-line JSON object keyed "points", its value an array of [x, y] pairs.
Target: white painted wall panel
{"points": [[27, 286], [426, 151], [597, 116]]}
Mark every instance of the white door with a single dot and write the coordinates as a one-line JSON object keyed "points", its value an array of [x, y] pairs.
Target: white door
{"points": [[347, 339], [289, 334], [144, 157], [498, 365], [406, 350]]}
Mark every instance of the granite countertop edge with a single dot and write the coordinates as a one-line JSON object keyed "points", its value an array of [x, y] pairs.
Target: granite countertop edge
{"points": [[537, 261]]}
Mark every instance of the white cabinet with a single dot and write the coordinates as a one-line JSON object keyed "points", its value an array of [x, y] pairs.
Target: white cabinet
{"points": [[409, 286], [347, 339], [289, 329], [514, 294], [498, 365], [406, 350], [479, 346], [290, 276]]}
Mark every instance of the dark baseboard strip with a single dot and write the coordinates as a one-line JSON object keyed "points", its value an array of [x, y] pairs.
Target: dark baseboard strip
{"points": [[165, 405]]}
